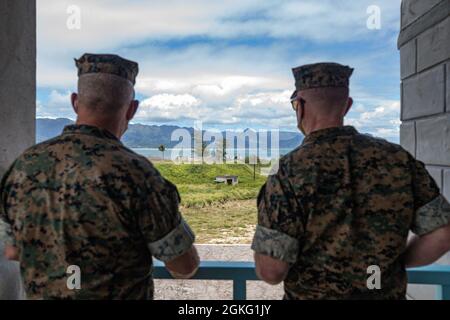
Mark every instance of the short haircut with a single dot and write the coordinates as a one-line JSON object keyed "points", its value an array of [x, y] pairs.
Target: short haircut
{"points": [[329, 98], [101, 92]]}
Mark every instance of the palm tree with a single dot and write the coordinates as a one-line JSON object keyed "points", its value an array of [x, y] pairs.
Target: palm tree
{"points": [[162, 148], [204, 151], [221, 150]]}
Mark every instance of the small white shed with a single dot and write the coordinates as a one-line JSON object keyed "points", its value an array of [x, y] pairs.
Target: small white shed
{"points": [[231, 180]]}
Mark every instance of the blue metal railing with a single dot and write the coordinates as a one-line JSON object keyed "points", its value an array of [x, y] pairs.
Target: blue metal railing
{"points": [[241, 272], [438, 275]]}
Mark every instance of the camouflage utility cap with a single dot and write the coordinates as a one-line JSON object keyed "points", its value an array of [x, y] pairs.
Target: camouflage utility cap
{"points": [[322, 75], [107, 63]]}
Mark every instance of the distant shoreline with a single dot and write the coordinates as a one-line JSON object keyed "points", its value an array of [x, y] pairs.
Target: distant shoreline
{"points": [[155, 154]]}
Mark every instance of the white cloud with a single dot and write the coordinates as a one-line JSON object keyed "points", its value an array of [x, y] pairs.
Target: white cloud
{"points": [[242, 84], [381, 120], [113, 25], [57, 106], [380, 111], [168, 108], [266, 109], [169, 101], [137, 20]]}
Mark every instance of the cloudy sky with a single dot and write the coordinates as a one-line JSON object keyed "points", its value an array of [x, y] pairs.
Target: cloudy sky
{"points": [[225, 62]]}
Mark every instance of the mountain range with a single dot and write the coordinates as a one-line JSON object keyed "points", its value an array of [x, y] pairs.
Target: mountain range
{"points": [[149, 136]]}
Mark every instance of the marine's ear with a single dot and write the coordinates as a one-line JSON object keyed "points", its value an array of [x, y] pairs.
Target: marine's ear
{"points": [[132, 109], [349, 105], [74, 101]]}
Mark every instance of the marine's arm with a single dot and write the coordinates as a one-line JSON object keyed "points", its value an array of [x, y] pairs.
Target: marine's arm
{"points": [[431, 223], [6, 236], [275, 242], [176, 249], [426, 249], [168, 236]]}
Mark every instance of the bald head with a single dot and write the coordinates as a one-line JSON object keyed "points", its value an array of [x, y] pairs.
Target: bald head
{"points": [[103, 94]]}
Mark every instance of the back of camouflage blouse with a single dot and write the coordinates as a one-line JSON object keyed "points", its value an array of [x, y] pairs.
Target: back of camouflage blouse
{"points": [[340, 203], [82, 199]]}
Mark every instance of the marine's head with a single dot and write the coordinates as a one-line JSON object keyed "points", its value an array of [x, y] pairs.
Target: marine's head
{"points": [[106, 96], [321, 99]]}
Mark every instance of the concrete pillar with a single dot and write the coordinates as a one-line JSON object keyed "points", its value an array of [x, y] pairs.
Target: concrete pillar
{"points": [[17, 78], [424, 45], [17, 103]]}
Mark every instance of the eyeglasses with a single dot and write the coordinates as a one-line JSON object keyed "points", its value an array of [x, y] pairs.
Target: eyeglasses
{"points": [[296, 102]]}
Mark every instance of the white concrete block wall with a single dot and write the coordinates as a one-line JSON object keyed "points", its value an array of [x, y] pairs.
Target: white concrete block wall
{"points": [[446, 186], [424, 45], [436, 173], [408, 136], [433, 140], [433, 46], [408, 62], [423, 93], [414, 9]]}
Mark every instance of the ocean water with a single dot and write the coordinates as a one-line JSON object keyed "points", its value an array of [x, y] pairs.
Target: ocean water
{"points": [[154, 153]]}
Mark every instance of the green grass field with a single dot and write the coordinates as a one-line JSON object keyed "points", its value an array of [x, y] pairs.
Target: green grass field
{"points": [[218, 213], [198, 189]]}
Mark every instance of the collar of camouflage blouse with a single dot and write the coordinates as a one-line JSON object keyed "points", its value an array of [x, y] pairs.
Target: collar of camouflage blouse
{"points": [[330, 133], [89, 130]]}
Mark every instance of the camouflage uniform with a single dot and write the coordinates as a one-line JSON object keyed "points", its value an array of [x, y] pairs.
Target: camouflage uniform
{"points": [[84, 199], [342, 202]]}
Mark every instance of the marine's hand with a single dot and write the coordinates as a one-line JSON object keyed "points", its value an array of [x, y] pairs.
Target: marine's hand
{"points": [[270, 270], [11, 253], [185, 266]]}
